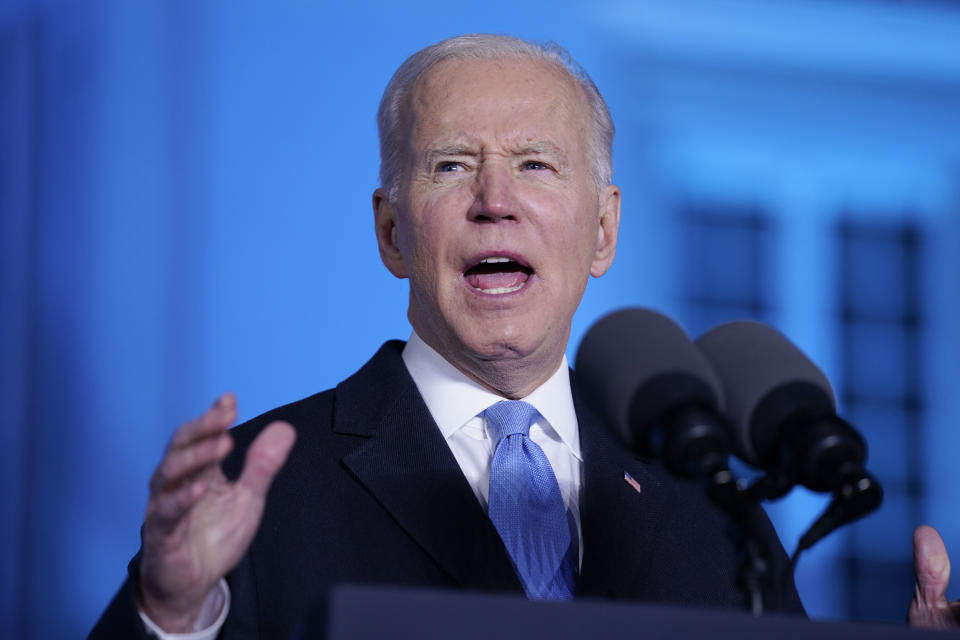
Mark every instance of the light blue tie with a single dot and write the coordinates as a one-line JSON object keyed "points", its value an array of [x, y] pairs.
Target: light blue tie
{"points": [[526, 506]]}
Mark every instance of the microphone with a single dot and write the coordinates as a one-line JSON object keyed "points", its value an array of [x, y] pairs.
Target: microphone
{"points": [[663, 397], [648, 380], [783, 415]]}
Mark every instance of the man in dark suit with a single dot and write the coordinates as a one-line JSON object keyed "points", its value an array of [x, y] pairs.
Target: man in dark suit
{"points": [[496, 202]]}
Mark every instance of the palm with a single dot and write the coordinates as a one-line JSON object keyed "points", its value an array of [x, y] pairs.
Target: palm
{"points": [[209, 540], [198, 525]]}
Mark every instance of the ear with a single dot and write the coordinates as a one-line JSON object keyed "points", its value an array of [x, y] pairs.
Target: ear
{"points": [[385, 223], [607, 231]]}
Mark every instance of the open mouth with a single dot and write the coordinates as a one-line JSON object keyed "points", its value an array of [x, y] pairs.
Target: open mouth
{"points": [[498, 275]]}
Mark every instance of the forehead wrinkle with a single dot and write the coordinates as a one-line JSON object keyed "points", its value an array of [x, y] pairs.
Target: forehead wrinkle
{"points": [[432, 94]]}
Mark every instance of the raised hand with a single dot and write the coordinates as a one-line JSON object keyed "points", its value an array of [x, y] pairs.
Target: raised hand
{"points": [[198, 525], [931, 566]]}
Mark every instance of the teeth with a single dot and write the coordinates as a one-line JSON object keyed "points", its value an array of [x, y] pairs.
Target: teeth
{"points": [[495, 260], [500, 290]]}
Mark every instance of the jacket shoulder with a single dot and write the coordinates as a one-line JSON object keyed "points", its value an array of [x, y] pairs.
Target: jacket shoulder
{"points": [[349, 408]]}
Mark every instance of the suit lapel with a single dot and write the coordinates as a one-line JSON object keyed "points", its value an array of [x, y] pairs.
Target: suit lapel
{"points": [[621, 526], [409, 469]]}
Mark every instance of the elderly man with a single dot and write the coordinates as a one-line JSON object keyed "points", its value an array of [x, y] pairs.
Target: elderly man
{"points": [[496, 203]]}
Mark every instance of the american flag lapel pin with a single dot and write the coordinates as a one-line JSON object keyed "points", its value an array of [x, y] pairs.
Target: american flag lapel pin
{"points": [[629, 479]]}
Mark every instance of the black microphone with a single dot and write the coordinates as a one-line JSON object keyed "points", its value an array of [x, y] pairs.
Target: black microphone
{"points": [[782, 411], [647, 379]]}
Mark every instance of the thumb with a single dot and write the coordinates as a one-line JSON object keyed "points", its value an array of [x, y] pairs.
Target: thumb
{"points": [[265, 456], [931, 566]]}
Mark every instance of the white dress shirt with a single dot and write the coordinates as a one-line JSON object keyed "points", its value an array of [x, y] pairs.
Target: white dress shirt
{"points": [[455, 402]]}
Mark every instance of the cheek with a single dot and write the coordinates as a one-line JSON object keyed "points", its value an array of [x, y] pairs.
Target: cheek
{"points": [[437, 226], [581, 232], [429, 240], [424, 248]]}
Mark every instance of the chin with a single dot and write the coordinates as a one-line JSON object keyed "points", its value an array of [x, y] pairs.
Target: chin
{"points": [[503, 345]]}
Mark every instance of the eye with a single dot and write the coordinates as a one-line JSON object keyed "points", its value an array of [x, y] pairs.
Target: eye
{"points": [[535, 165], [448, 165]]}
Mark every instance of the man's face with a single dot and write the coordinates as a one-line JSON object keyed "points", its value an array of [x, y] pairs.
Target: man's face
{"points": [[498, 220]]}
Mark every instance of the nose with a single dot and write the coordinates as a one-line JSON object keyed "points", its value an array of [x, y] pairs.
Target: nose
{"points": [[494, 195]]}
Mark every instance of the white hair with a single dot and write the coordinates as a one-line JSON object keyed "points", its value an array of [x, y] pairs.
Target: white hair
{"points": [[391, 120]]}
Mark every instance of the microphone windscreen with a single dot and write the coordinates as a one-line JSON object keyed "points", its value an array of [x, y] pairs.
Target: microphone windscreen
{"points": [[635, 365], [766, 378]]}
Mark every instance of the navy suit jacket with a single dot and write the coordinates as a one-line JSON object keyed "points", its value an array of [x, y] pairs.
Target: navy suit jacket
{"points": [[372, 494]]}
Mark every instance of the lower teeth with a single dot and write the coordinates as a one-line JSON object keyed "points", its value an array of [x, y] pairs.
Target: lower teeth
{"points": [[503, 289]]}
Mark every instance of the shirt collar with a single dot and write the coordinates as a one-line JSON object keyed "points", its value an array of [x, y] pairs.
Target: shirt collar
{"points": [[453, 398]]}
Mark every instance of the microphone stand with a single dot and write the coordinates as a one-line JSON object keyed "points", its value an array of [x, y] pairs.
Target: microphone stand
{"points": [[729, 495], [693, 442]]}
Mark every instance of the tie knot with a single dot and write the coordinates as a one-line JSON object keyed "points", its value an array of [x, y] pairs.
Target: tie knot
{"points": [[509, 417]]}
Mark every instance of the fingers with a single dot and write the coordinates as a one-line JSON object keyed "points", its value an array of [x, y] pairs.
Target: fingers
{"points": [[216, 419], [196, 445], [168, 507], [180, 465], [931, 566], [193, 456], [265, 457]]}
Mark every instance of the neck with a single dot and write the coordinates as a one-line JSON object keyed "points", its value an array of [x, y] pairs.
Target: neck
{"points": [[511, 379], [510, 375]]}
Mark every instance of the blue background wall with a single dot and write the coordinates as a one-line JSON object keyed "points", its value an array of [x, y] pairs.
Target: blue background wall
{"points": [[185, 198]]}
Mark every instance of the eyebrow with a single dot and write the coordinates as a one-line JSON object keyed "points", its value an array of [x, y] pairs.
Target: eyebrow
{"points": [[541, 148], [445, 151], [455, 149], [452, 150]]}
